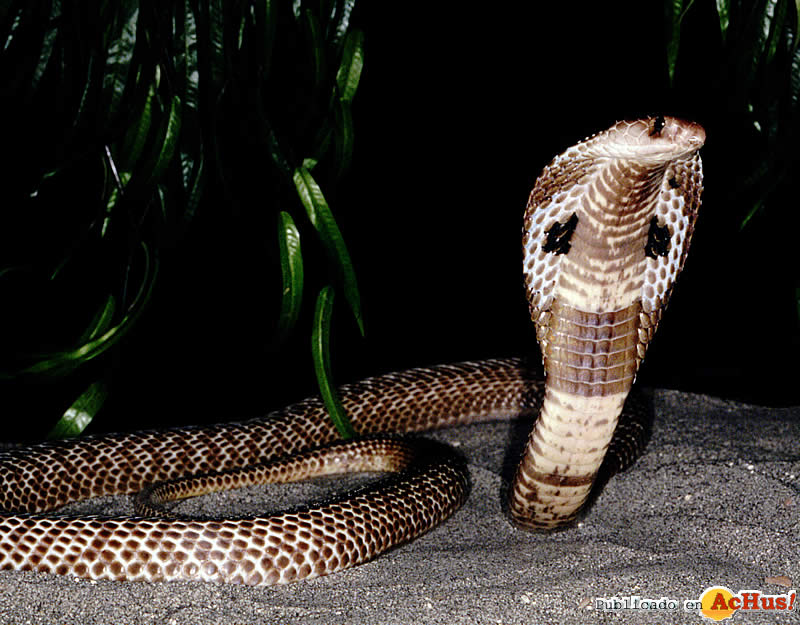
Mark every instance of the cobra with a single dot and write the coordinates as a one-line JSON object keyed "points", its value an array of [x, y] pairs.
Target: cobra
{"points": [[606, 232]]}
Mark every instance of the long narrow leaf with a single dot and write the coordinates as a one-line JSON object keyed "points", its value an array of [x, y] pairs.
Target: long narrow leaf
{"points": [[26, 44], [291, 273], [319, 213], [674, 11], [320, 352], [269, 138], [121, 44], [266, 24], [101, 322], [89, 87], [165, 144], [191, 71], [317, 44], [60, 363], [117, 193], [794, 79], [80, 414], [776, 28], [135, 139], [47, 45], [753, 210], [344, 136], [760, 39], [796, 25], [216, 42], [724, 15], [352, 63]]}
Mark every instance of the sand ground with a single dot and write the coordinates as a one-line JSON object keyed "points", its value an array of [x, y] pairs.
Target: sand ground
{"points": [[714, 501]]}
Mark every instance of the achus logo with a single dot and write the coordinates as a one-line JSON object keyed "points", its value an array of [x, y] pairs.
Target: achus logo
{"points": [[719, 603]]}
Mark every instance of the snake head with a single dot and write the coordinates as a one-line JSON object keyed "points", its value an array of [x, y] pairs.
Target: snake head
{"points": [[655, 139]]}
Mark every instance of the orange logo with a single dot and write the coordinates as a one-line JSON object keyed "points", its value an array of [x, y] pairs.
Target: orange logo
{"points": [[715, 603], [719, 603]]}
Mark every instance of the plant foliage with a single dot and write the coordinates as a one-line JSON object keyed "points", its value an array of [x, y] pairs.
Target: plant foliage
{"points": [[759, 78], [125, 120], [753, 84]]}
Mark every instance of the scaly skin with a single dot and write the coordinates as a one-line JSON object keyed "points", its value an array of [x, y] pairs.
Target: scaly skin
{"points": [[606, 233]]}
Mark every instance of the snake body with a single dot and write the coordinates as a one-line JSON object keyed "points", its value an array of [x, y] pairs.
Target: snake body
{"points": [[607, 229]]}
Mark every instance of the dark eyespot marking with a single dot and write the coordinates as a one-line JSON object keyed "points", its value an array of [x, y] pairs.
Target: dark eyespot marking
{"points": [[673, 183], [657, 125], [657, 240], [559, 234]]}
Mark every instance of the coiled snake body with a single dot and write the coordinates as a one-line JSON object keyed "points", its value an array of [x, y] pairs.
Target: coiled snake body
{"points": [[607, 229]]}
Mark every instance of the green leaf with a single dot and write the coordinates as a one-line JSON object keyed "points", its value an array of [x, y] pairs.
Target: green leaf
{"points": [[350, 68], [319, 213], [60, 363], [674, 11], [344, 136], [167, 141], [291, 273], [133, 143], [780, 10], [760, 40], [314, 34], [47, 45], [162, 200], [81, 412], [121, 41], [724, 14], [751, 213], [88, 89], [190, 66], [216, 42], [796, 25], [794, 79], [101, 322], [269, 138], [171, 134], [320, 353], [117, 193], [266, 23]]}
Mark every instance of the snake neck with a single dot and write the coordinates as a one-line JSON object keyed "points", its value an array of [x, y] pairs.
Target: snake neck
{"points": [[593, 337], [590, 365]]}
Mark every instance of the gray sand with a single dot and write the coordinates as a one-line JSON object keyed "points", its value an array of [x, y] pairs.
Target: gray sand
{"points": [[714, 500]]}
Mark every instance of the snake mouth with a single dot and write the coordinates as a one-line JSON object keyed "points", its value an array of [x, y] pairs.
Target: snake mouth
{"points": [[679, 132]]}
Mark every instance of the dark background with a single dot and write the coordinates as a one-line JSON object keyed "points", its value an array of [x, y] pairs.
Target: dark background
{"points": [[457, 112]]}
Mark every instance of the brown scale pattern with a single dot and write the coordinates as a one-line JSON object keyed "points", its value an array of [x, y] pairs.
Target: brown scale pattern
{"points": [[592, 354], [596, 305], [596, 299], [430, 485]]}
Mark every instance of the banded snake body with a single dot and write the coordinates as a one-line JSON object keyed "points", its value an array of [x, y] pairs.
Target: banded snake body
{"points": [[606, 232]]}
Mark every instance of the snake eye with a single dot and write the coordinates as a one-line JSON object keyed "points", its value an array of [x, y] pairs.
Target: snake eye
{"points": [[657, 125]]}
